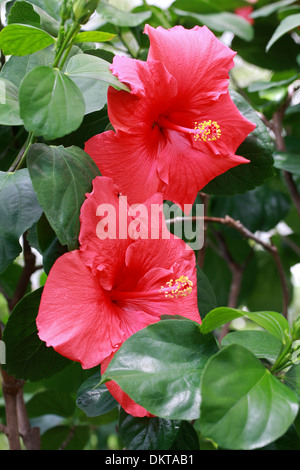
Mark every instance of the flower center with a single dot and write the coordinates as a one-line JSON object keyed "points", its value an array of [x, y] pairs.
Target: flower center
{"points": [[206, 130], [179, 288]]}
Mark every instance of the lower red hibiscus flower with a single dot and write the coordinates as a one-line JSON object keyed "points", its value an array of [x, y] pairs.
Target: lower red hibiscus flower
{"points": [[178, 128], [115, 284]]}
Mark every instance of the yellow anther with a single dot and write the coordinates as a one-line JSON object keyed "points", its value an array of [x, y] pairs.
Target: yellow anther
{"points": [[180, 288], [207, 131]]}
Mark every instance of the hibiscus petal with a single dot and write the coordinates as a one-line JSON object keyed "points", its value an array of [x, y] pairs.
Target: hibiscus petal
{"points": [[196, 58], [104, 221], [157, 89], [130, 160], [186, 170], [76, 317], [122, 398]]}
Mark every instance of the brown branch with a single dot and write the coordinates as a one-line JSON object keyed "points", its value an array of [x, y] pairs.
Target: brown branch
{"points": [[11, 389], [28, 270], [31, 436], [270, 247]]}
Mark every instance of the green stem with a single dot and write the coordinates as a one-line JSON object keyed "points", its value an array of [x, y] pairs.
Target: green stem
{"points": [[67, 51], [66, 43], [282, 359], [21, 158]]}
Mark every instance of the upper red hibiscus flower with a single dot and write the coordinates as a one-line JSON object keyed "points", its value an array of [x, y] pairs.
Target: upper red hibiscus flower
{"points": [[178, 127], [115, 285]]}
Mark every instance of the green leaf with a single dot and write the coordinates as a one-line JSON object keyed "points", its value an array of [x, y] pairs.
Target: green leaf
{"points": [[19, 211], [187, 438], [19, 40], [25, 13], [261, 86], [261, 344], [51, 105], [95, 399], [266, 207], [257, 147], [51, 402], [84, 66], [61, 178], [268, 10], [221, 22], [287, 162], [65, 437], [27, 357], [113, 15], [273, 322], [9, 104], [160, 367], [237, 388], [286, 25], [93, 77], [15, 68], [93, 36], [147, 433], [205, 294], [292, 379]]}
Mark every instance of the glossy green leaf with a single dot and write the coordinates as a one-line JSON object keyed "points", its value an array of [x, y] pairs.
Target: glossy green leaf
{"points": [[257, 147], [95, 399], [261, 344], [51, 105], [187, 438], [66, 437], [147, 433], [9, 104], [27, 357], [160, 367], [273, 322], [93, 36], [19, 211], [237, 388], [287, 24], [61, 178], [19, 40], [25, 13], [113, 15], [221, 22]]}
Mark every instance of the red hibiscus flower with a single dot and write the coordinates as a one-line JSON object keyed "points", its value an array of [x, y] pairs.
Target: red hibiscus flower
{"points": [[178, 127], [114, 284]]}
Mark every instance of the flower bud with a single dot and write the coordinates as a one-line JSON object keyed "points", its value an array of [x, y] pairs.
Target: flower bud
{"points": [[65, 10], [296, 328], [83, 9]]}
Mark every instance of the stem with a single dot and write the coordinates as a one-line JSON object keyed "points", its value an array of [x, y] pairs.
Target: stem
{"points": [[21, 157], [270, 247], [67, 44]]}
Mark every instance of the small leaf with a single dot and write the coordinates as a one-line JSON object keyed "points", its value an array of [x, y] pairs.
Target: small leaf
{"points": [[237, 388], [93, 36], [9, 104], [268, 10], [51, 105], [263, 345], [273, 322], [160, 367], [287, 24], [292, 379], [147, 433], [287, 162], [27, 357], [19, 211], [25, 13], [61, 178], [205, 294], [19, 40], [95, 399]]}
